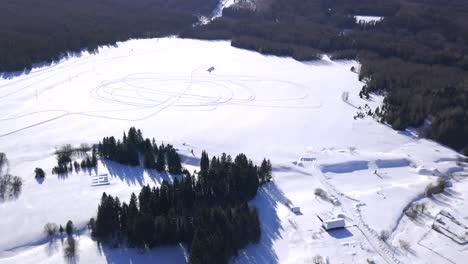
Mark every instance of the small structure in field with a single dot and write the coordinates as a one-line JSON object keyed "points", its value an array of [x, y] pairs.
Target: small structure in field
{"points": [[211, 69], [101, 179], [334, 200], [333, 223], [307, 159], [296, 209]]}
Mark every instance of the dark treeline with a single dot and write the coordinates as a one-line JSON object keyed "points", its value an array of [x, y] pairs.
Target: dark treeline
{"points": [[128, 150], [306, 27], [36, 31], [208, 212], [418, 55], [416, 92]]}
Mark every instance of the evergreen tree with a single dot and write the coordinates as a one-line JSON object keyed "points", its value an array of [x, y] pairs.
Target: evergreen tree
{"points": [[160, 161], [173, 161], [94, 157], [264, 172], [149, 161], [69, 228], [210, 214]]}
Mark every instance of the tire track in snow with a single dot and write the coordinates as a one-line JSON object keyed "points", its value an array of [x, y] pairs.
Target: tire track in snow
{"points": [[183, 101]]}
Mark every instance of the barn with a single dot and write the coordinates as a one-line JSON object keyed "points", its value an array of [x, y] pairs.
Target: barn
{"points": [[330, 222]]}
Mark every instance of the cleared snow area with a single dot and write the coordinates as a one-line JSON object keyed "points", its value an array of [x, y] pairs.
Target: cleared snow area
{"points": [[218, 11], [264, 106], [368, 19]]}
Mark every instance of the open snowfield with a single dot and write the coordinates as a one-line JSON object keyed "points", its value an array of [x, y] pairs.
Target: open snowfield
{"points": [[264, 106]]}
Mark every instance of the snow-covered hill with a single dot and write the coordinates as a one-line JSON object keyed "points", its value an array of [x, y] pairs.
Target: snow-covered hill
{"points": [[291, 112]]}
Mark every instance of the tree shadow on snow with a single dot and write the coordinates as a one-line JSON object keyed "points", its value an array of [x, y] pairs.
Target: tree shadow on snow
{"points": [[295, 169], [132, 175], [409, 133], [340, 233], [441, 200], [159, 177], [40, 180], [267, 201], [189, 160], [167, 254], [63, 176], [451, 193], [52, 246]]}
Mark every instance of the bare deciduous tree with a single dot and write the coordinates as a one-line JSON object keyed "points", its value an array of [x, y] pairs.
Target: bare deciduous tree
{"points": [[318, 260], [16, 186], [384, 235], [404, 244], [50, 229]]}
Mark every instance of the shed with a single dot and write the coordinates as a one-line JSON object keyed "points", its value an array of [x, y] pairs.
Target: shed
{"points": [[333, 223], [334, 200], [211, 69], [296, 210]]}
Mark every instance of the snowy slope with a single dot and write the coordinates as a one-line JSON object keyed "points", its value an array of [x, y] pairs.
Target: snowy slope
{"points": [[263, 106]]}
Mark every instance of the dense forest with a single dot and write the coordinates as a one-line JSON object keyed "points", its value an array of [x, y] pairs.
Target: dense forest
{"points": [[417, 56], [128, 150], [35, 31], [208, 212]]}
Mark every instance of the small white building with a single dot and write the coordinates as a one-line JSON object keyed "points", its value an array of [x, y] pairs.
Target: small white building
{"points": [[333, 223], [334, 200]]}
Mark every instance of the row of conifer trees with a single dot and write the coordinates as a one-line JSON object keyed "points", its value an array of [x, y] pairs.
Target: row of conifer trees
{"points": [[128, 150], [208, 211]]}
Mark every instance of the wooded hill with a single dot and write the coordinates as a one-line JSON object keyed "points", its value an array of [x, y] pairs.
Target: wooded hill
{"points": [[34, 31]]}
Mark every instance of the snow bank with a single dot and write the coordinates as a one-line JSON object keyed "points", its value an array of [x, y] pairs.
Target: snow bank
{"points": [[345, 167]]}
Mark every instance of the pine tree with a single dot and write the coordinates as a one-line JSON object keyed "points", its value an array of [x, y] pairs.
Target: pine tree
{"points": [[173, 161], [264, 172], [94, 157], [69, 228], [149, 161]]}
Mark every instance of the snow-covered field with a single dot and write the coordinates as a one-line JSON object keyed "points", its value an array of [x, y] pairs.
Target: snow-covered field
{"points": [[289, 111]]}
